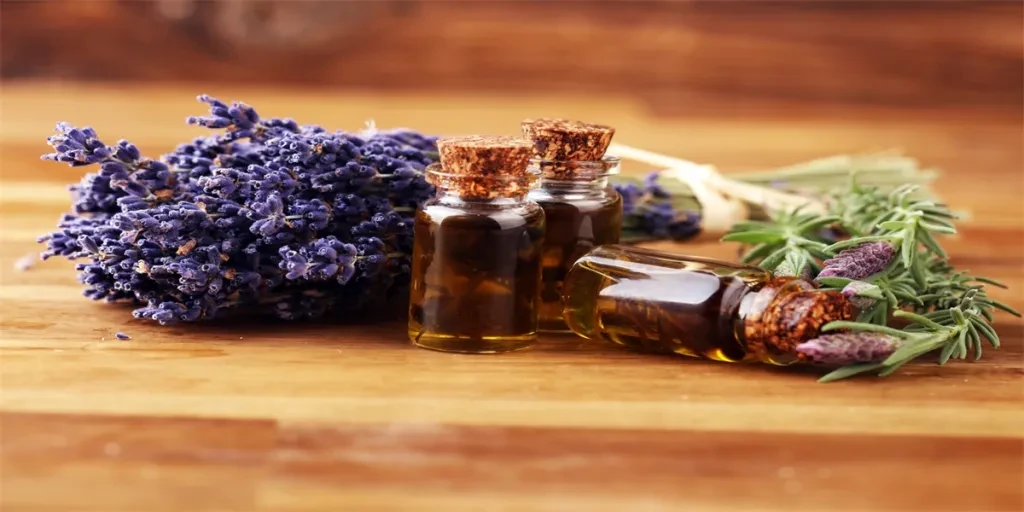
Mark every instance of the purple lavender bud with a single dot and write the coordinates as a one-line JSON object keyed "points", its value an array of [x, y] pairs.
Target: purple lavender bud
{"points": [[686, 225], [852, 292], [848, 347], [652, 187], [122, 336], [630, 194], [76, 146], [859, 261]]}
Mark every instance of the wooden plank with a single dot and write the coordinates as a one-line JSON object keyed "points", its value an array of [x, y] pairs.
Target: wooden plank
{"points": [[259, 465]]}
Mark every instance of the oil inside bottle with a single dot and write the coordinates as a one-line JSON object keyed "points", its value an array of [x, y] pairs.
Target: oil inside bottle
{"points": [[649, 302], [575, 226], [480, 271]]}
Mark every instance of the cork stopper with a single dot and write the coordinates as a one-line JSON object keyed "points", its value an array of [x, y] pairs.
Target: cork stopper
{"points": [[481, 155], [788, 311], [564, 140], [483, 167]]}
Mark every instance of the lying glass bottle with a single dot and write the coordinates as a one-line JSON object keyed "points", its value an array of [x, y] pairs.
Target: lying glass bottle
{"points": [[662, 302]]}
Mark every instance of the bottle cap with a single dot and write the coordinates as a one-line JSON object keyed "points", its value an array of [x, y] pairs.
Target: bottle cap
{"points": [[483, 167], [481, 155], [566, 140]]}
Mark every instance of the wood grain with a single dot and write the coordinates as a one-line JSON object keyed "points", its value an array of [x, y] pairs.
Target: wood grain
{"points": [[257, 415], [825, 58]]}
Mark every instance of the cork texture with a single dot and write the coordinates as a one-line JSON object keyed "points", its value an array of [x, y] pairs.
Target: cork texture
{"points": [[566, 140], [480, 155], [788, 312]]}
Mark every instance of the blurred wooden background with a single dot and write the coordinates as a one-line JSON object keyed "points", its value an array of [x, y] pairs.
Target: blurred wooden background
{"points": [[822, 58]]}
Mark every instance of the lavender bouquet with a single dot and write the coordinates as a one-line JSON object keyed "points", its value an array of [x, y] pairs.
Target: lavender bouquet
{"points": [[264, 216]]}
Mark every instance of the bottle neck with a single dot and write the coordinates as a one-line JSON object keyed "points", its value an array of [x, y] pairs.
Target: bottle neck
{"points": [[573, 186], [481, 188], [456, 197]]}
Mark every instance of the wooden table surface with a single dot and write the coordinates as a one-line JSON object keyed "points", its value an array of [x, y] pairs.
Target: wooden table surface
{"points": [[315, 416]]}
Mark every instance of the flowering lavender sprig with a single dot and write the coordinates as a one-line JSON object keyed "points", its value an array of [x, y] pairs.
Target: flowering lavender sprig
{"points": [[859, 261], [845, 348], [956, 331]]}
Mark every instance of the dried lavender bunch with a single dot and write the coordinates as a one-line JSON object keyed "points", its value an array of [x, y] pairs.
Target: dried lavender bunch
{"points": [[890, 265], [265, 215], [651, 211]]}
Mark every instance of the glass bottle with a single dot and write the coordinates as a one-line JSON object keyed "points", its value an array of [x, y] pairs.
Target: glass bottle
{"points": [[662, 302], [477, 250], [582, 211]]}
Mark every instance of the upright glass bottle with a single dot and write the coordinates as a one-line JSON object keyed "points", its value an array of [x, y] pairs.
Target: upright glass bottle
{"points": [[477, 250], [582, 211], [655, 301]]}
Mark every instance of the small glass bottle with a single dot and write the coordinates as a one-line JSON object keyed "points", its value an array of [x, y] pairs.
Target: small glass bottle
{"points": [[582, 211], [661, 302], [477, 250]]}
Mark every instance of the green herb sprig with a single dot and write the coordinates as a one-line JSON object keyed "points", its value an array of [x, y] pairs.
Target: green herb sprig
{"points": [[947, 309]]}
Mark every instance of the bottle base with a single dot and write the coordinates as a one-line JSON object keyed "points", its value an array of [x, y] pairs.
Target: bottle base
{"points": [[463, 345], [553, 326]]}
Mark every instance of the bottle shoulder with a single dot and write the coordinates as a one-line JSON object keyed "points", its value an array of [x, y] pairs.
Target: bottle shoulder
{"points": [[503, 215], [583, 199]]}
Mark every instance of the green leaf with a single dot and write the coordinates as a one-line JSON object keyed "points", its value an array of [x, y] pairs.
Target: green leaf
{"points": [[986, 330], [850, 371], [857, 241], [917, 271], [947, 351], [835, 282], [919, 319], [936, 211], [1005, 307], [913, 350], [992, 282], [938, 228], [961, 343], [774, 259], [929, 241], [893, 225], [862, 327], [753, 237], [908, 249], [759, 252], [940, 221], [815, 223]]}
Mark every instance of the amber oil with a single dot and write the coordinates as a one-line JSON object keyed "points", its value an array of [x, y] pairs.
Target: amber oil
{"points": [[477, 250], [661, 302], [582, 212]]}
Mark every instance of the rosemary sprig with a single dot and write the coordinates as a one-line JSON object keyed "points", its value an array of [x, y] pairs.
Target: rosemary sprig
{"points": [[948, 310], [790, 243]]}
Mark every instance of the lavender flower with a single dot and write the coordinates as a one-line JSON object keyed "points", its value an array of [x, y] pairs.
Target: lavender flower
{"points": [[849, 347], [860, 261], [122, 336], [653, 188], [76, 146]]}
